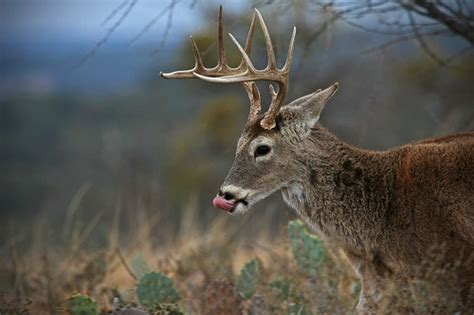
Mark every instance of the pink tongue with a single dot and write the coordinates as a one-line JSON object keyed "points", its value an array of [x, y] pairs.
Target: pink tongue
{"points": [[222, 204]]}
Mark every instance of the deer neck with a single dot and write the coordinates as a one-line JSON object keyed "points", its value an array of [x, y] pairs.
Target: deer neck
{"points": [[342, 192]]}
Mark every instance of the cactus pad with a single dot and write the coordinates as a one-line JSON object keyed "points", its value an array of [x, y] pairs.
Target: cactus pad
{"points": [[79, 304], [307, 249], [248, 278], [281, 288], [155, 288]]}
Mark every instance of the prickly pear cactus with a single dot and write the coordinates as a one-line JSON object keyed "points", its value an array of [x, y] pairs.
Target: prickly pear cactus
{"points": [[220, 297], [248, 278], [155, 288], [307, 249], [281, 288], [79, 304]]}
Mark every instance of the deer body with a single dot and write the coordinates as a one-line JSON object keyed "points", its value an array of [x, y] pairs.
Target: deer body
{"points": [[385, 210], [385, 203]]}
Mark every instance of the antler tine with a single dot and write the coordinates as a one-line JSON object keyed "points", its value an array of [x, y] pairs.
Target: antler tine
{"points": [[248, 41], [251, 87], [289, 56], [198, 65], [273, 94], [221, 63], [268, 42], [254, 96], [246, 76], [268, 122], [245, 73], [245, 56], [187, 74]]}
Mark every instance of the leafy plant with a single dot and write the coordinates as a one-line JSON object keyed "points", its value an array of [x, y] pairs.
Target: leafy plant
{"points": [[248, 278], [155, 288], [307, 249], [80, 304]]}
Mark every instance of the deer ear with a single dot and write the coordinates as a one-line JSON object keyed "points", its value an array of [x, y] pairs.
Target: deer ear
{"points": [[298, 117], [308, 108]]}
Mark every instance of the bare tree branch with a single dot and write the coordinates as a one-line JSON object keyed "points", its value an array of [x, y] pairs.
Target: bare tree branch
{"points": [[109, 33], [400, 39], [168, 9], [421, 40], [114, 12], [402, 19], [425, 18], [453, 23]]}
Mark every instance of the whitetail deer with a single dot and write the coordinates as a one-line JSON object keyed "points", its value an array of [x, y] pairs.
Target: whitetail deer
{"points": [[383, 209]]}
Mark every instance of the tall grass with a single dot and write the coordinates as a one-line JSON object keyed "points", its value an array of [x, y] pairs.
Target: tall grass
{"points": [[104, 255]]}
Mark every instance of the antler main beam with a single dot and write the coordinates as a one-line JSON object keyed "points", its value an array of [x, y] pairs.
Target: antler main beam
{"points": [[245, 73]]}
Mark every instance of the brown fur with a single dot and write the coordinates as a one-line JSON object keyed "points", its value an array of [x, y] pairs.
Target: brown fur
{"points": [[386, 210]]}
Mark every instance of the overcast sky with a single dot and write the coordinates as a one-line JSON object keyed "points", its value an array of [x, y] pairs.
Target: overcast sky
{"points": [[82, 19], [41, 40]]}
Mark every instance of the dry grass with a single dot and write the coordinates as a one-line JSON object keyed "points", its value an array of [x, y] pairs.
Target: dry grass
{"points": [[42, 276], [192, 255]]}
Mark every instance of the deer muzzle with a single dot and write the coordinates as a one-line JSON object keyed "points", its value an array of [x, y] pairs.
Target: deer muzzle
{"points": [[221, 203], [231, 198]]}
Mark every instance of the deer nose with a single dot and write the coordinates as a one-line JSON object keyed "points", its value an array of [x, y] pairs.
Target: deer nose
{"points": [[226, 195]]}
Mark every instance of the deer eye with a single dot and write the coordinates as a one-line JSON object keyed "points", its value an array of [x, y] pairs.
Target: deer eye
{"points": [[262, 150]]}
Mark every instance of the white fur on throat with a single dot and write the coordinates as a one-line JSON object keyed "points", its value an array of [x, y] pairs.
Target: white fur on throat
{"points": [[294, 196]]}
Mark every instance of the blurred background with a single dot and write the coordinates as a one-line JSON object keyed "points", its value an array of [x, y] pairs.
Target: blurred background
{"points": [[92, 137]]}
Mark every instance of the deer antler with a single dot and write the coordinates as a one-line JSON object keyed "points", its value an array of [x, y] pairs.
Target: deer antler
{"points": [[245, 73]]}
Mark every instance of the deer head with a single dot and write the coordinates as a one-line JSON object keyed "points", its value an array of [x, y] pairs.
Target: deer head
{"points": [[270, 142]]}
